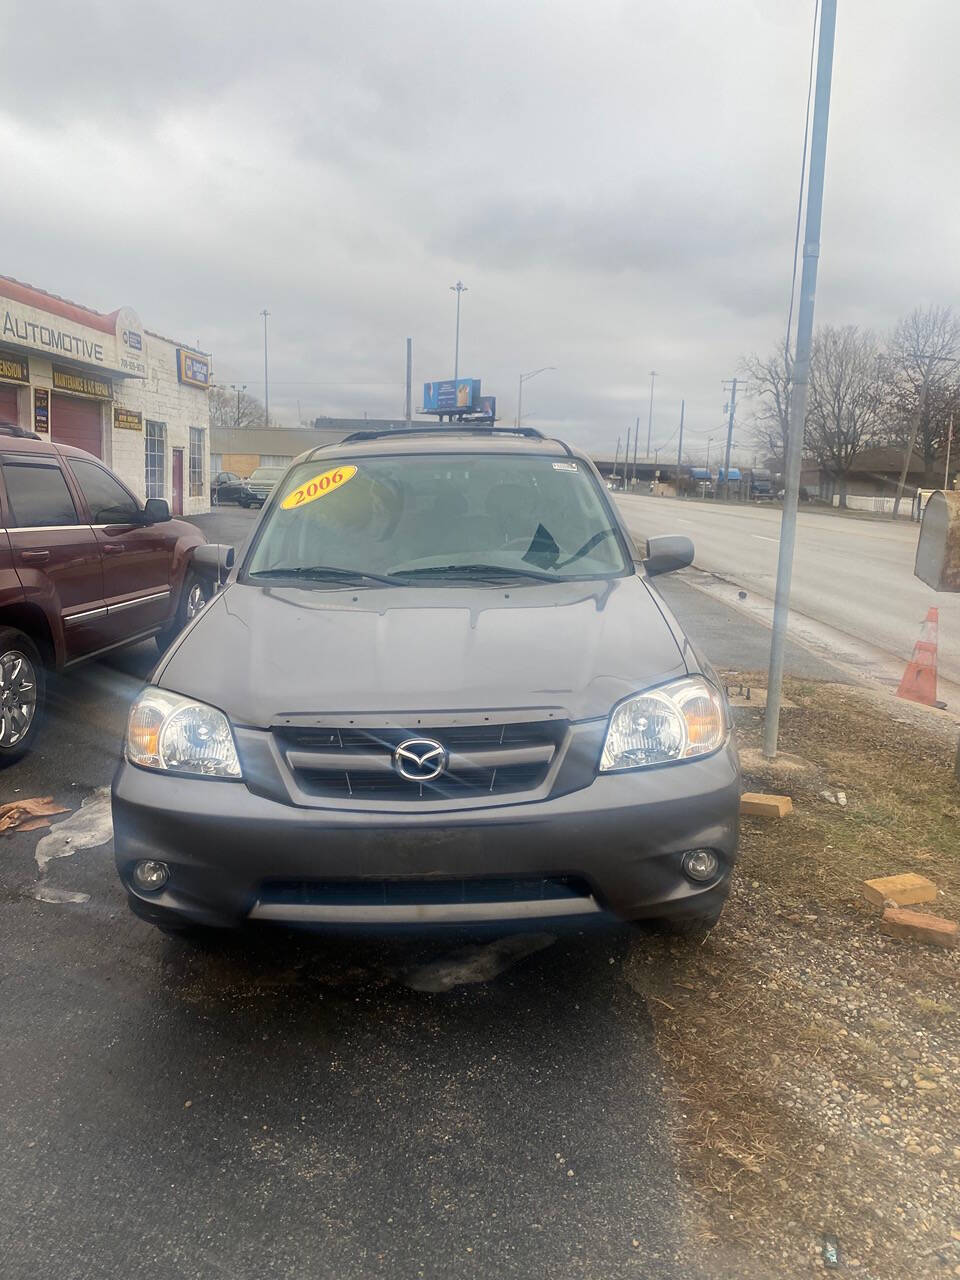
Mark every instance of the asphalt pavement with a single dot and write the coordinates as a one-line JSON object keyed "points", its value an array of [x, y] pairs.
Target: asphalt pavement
{"points": [[296, 1104], [854, 575]]}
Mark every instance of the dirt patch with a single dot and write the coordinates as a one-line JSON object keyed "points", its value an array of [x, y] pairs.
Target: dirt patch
{"points": [[816, 1062]]}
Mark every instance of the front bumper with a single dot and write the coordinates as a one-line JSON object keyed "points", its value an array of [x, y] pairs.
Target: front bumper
{"points": [[623, 836]]}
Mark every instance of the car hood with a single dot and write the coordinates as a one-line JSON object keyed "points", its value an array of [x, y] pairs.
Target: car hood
{"points": [[261, 653]]}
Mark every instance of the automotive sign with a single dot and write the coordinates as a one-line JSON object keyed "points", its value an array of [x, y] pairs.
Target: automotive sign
{"points": [[451, 395], [193, 369]]}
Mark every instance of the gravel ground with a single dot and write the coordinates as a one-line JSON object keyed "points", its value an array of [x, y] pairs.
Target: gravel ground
{"points": [[814, 1063]]}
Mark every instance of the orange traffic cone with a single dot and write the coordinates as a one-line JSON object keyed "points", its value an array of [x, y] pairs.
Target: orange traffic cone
{"points": [[919, 682]]}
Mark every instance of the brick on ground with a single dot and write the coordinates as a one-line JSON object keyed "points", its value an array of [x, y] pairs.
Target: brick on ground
{"points": [[757, 804], [903, 890], [919, 927]]}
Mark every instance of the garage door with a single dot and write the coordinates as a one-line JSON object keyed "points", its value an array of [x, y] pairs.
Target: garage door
{"points": [[8, 402], [76, 421]]}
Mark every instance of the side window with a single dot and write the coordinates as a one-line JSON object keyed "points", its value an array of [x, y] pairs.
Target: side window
{"points": [[108, 500], [37, 494]]}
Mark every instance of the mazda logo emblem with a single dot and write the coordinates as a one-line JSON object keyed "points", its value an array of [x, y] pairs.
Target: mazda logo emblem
{"points": [[420, 759]]}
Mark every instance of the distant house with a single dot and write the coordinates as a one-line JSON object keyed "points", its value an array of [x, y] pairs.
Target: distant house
{"points": [[871, 485]]}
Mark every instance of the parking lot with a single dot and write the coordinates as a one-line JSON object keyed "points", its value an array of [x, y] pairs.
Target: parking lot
{"points": [[294, 1104]]}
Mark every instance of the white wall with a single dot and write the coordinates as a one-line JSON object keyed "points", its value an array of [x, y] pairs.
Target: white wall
{"points": [[162, 398]]}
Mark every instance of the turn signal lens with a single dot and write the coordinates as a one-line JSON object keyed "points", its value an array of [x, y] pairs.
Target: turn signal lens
{"points": [[177, 735], [677, 721]]}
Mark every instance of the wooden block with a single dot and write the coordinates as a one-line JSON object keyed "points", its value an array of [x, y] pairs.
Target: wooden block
{"points": [[757, 805], [903, 890], [920, 927]]}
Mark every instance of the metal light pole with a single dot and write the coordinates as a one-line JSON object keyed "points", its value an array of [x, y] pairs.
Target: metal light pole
{"points": [[408, 407], [616, 460], [683, 405], [457, 288], [266, 380], [800, 371], [653, 376], [636, 437], [238, 389], [525, 377]]}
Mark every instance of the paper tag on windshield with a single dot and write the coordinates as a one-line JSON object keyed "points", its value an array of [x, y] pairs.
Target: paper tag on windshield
{"points": [[565, 466], [318, 487]]}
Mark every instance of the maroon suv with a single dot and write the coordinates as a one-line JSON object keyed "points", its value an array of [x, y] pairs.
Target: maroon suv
{"points": [[84, 568]]}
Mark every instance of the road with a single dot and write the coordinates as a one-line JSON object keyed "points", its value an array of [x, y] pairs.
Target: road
{"points": [[853, 575]]}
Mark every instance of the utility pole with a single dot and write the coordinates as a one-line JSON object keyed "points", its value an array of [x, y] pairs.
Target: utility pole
{"points": [[457, 288], [946, 469], [616, 459], [409, 403], [266, 381], [800, 371], [238, 388], [732, 406], [636, 437], [653, 376], [626, 462], [683, 405]]}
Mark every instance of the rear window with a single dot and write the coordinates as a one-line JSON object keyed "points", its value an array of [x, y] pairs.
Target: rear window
{"points": [[420, 515], [37, 494]]}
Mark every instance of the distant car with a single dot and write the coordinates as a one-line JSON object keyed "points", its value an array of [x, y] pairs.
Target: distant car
{"points": [[85, 567], [260, 485], [438, 686], [225, 487]]}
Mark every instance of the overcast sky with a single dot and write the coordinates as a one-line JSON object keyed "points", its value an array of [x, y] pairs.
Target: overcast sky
{"points": [[615, 183]]}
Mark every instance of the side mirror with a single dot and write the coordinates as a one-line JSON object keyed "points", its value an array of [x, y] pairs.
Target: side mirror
{"points": [[214, 560], [155, 511], [667, 554]]}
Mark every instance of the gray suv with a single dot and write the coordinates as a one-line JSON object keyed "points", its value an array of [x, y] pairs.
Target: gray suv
{"points": [[438, 686]]}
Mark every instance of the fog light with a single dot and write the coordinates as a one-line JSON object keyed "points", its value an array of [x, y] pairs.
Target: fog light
{"points": [[700, 864], [151, 876]]}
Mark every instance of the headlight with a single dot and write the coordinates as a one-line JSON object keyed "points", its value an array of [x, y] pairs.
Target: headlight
{"points": [[169, 732], [678, 721]]}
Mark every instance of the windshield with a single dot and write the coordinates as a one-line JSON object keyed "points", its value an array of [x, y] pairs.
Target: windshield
{"points": [[441, 516], [266, 475]]}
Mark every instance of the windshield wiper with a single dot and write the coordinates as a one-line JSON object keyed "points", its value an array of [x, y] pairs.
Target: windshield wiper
{"points": [[324, 573], [492, 572]]}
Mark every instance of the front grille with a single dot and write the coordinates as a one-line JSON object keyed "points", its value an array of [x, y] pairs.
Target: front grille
{"points": [[484, 760], [389, 893]]}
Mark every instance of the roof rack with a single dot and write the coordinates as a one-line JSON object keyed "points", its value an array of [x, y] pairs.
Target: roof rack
{"points": [[22, 433], [459, 428]]}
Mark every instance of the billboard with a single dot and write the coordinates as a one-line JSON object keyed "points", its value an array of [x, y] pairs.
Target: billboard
{"points": [[487, 405], [451, 395]]}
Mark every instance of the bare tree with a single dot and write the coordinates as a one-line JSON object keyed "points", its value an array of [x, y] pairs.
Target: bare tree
{"points": [[844, 399], [229, 408], [770, 390], [922, 359]]}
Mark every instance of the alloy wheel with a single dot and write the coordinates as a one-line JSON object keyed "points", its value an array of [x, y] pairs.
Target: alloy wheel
{"points": [[18, 696]]}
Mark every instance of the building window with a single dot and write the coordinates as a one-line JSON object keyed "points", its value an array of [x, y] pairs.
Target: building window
{"points": [[196, 462], [155, 457], [275, 459]]}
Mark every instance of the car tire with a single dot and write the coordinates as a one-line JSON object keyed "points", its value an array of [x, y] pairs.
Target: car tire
{"points": [[22, 693], [197, 591]]}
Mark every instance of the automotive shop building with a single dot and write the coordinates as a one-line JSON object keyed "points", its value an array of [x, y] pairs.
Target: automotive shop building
{"points": [[105, 384]]}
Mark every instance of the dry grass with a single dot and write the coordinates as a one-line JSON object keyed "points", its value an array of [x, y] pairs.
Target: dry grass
{"points": [[794, 1037]]}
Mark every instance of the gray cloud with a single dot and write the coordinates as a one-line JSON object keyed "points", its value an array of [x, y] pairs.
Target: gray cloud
{"points": [[616, 183]]}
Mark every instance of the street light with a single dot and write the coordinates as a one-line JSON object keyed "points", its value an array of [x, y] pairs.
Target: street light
{"points": [[525, 377], [457, 288], [653, 377], [266, 384]]}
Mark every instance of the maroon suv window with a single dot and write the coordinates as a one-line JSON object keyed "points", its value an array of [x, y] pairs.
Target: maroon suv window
{"points": [[37, 494]]}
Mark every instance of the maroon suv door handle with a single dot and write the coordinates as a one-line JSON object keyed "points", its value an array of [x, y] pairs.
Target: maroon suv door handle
{"points": [[35, 557], [113, 548]]}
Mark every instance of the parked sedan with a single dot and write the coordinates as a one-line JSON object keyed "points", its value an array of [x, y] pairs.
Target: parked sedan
{"points": [[85, 567], [440, 686], [225, 487]]}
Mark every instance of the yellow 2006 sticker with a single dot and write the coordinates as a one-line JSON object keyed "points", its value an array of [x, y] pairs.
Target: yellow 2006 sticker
{"points": [[318, 487]]}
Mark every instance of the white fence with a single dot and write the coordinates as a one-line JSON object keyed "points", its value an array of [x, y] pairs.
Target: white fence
{"points": [[881, 505]]}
